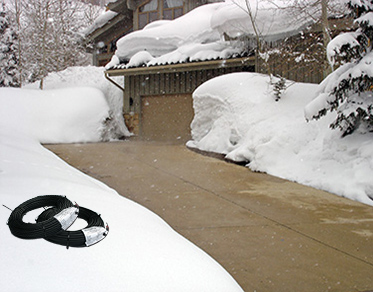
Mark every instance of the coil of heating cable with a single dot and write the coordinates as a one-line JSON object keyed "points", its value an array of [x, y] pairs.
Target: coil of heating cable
{"points": [[65, 215], [94, 232]]}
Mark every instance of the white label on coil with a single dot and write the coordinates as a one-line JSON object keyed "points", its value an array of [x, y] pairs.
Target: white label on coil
{"points": [[94, 234], [67, 217]]}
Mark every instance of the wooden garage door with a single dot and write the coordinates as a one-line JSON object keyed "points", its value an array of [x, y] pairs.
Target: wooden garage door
{"points": [[166, 118]]}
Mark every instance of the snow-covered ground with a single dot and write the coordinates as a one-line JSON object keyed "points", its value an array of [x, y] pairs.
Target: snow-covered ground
{"points": [[141, 252], [237, 115]]}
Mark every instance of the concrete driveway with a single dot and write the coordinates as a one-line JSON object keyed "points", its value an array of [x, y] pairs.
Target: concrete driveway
{"points": [[268, 233]]}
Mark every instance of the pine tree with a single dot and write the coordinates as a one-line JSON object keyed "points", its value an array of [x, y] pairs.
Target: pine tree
{"points": [[348, 90], [8, 51]]}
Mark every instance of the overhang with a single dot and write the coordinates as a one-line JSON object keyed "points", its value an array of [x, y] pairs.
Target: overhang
{"points": [[183, 67], [117, 6], [104, 29]]}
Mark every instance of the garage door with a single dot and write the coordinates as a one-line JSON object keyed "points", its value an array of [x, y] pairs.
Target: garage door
{"points": [[166, 118]]}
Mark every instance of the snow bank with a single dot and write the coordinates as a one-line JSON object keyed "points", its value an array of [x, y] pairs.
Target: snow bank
{"points": [[55, 116], [237, 115], [141, 252], [91, 76]]}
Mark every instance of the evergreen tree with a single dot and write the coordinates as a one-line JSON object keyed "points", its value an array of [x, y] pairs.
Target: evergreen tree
{"points": [[348, 90], [8, 51]]}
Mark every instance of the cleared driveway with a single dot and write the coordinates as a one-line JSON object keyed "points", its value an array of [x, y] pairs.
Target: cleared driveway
{"points": [[268, 233]]}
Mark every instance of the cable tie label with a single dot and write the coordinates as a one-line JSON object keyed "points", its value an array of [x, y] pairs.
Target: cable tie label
{"points": [[67, 217]]}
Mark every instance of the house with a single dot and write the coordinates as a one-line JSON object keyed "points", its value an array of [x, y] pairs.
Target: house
{"points": [[158, 102], [162, 63], [125, 16], [158, 99], [102, 36]]}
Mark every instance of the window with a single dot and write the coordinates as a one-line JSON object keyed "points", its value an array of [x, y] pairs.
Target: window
{"points": [[172, 9], [148, 13], [159, 9]]}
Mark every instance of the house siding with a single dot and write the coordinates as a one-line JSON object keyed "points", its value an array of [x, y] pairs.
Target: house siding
{"points": [[138, 87]]}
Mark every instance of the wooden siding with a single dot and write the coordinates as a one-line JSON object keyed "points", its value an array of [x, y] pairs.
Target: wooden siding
{"points": [[168, 83], [292, 70]]}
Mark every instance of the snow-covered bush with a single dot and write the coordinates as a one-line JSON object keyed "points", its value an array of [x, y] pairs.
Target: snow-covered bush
{"points": [[348, 90], [279, 86]]}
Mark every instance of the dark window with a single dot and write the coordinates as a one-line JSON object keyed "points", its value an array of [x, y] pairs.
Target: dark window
{"points": [[178, 12], [150, 11], [167, 14], [172, 9], [152, 16], [143, 20]]}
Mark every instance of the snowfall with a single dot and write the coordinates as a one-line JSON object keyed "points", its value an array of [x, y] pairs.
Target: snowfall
{"points": [[235, 114]]}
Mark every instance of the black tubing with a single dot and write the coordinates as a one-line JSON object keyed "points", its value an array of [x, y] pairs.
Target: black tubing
{"points": [[72, 238], [42, 229]]}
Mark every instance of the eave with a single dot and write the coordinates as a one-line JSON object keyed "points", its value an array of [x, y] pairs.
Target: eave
{"points": [[109, 25], [183, 67], [118, 6]]}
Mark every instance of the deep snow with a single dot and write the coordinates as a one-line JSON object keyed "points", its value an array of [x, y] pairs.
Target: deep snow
{"points": [[237, 115], [91, 76], [141, 252], [211, 31]]}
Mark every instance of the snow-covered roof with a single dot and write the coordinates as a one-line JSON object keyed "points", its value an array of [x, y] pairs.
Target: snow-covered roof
{"points": [[100, 21], [201, 34]]}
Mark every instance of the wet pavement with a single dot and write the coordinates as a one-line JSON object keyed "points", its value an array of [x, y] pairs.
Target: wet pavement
{"points": [[269, 234]]}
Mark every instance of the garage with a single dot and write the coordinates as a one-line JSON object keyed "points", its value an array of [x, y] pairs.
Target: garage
{"points": [[166, 118], [157, 100]]}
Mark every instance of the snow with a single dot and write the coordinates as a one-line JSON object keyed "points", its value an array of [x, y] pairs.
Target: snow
{"points": [[141, 252], [334, 46], [366, 4], [323, 99], [200, 34], [139, 59], [366, 18], [82, 121], [272, 19], [237, 115], [91, 76], [100, 21]]}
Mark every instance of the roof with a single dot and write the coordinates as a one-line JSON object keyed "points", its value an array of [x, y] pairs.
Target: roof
{"points": [[215, 31], [182, 67], [117, 13]]}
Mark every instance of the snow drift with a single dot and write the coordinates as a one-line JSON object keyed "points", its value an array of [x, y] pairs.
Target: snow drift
{"points": [[55, 116], [237, 115], [91, 76]]}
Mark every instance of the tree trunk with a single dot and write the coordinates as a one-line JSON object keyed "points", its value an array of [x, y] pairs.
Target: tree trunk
{"points": [[17, 8], [44, 47], [326, 36]]}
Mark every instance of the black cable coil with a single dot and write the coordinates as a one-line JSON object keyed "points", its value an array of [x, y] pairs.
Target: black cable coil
{"points": [[43, 228], [74, 238]]}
